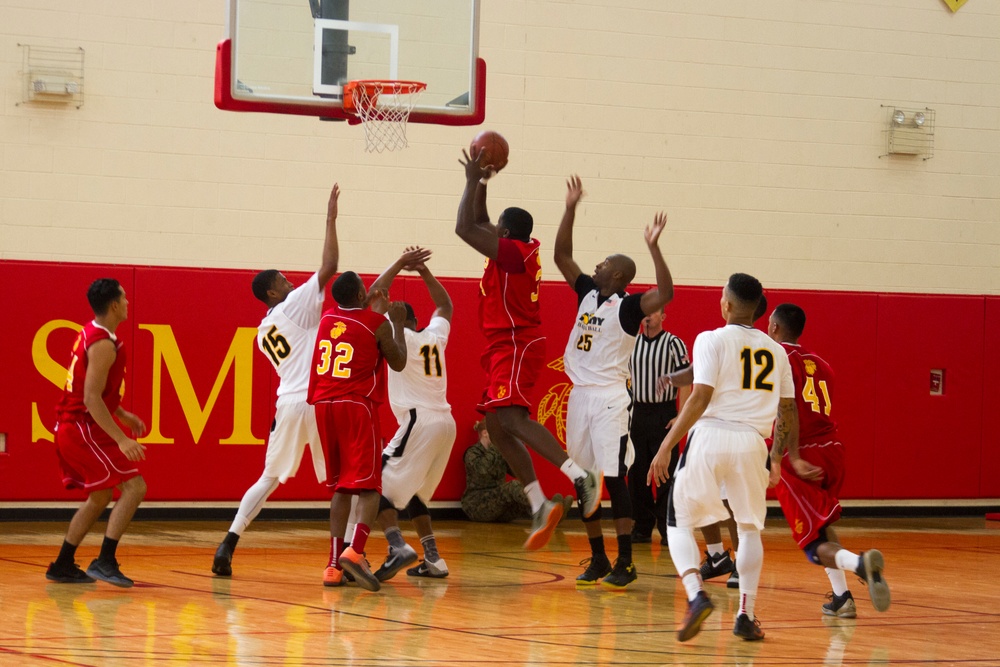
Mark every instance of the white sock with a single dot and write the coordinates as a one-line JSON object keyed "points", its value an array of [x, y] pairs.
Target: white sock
{"points": [[838, 580], [747, 602], [714, 549], [847, 561], [535, 495], [572, 470], [692, 584], [252, 503], [349, 533]]}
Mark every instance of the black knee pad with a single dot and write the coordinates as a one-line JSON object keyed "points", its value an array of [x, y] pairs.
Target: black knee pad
{"points": [[621, 501], [416, 508]]}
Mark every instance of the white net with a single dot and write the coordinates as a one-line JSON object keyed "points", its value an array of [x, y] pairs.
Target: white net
{"points": [[384, 107]]}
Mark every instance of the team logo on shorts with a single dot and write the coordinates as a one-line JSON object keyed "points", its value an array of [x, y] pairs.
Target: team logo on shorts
{"points": [[338, 329], [810, 366], [501, 391], [799, 527]]}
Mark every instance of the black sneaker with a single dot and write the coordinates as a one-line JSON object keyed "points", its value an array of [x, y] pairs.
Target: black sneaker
{"points": [[841, 606], [698, 610], [434, 570], [747, 629], [716, 566], [597, 569], [621, 575], [396, 561], [67, 574], [639, 538], [109, 572], [870, 569], [223, 563], [734, 578], [588, 492]]}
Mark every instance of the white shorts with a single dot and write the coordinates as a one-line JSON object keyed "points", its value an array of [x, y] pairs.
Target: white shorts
{"points": [[294, 428], [596, 421], [718, 458], [417, 455]]}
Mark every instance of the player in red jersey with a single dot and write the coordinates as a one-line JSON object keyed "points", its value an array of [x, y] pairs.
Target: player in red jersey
{"points": [[347, 386], [94, 453], [809, 488], [515, 349]]}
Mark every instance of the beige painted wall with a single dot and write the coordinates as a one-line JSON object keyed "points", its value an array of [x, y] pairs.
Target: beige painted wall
{"points": [[756, 123]]}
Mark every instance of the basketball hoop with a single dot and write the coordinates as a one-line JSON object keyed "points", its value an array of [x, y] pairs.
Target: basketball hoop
{"points": [[383, 108]]}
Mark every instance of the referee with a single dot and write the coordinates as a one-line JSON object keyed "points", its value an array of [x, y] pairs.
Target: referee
{"points": [[657, 353]]}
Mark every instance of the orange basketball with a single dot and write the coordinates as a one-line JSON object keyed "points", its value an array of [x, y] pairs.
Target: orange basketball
{"points": [[494, 149]]}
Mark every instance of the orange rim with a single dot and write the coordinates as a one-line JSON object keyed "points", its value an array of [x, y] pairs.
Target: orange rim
{"points": [[373, 88]]}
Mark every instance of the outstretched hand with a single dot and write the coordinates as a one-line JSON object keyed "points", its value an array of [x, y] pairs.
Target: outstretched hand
{"points": [[473, 170], [397, 312], [413, 257], [574, 191], [377, 300], [652, 233], [331, 207]]}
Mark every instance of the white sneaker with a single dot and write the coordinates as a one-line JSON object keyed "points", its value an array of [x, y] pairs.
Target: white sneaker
{"points": [[436, 570]]}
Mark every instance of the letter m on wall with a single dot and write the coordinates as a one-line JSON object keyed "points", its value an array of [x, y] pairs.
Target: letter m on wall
{"points": [[239, 359]]}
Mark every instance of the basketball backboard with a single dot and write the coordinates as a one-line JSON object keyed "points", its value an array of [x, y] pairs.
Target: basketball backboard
{"points": [[295, 56]]}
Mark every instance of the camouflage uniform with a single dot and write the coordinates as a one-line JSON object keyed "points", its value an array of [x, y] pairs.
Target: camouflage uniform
{"points": [[487, 496]]}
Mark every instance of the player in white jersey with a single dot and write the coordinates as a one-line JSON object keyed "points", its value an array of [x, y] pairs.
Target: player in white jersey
{"points": [[597, 361], [414, 460], [286, 336], [742, 381]]}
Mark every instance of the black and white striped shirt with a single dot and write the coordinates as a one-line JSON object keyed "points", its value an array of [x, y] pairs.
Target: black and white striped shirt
{"points": [[653, 358]]}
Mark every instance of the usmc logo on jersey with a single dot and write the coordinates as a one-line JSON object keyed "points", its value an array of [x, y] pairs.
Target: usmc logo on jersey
{"points": [[338, 329], [590, 322], [810, 366]]}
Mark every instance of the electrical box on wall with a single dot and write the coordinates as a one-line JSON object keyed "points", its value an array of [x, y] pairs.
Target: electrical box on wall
{"points": [[52, 75], [909, 132]]}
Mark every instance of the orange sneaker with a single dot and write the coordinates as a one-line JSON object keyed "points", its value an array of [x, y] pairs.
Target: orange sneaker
{"points": [[357, 566], [333, 577], [543, 524]]}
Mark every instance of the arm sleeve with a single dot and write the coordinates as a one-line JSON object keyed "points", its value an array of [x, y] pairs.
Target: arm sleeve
{"points": [[630, 314], [584, 285], [706, 359], [304, 304], [509, 257]]}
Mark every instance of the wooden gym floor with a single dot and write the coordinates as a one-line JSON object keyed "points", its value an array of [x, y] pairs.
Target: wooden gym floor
{"points": [[500, 606]]}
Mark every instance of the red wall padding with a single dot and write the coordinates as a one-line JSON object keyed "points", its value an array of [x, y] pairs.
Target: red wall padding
{"points": [[881, 345]]}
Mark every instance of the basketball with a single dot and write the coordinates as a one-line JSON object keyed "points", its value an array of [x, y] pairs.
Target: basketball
{"points": [[494, 149]]}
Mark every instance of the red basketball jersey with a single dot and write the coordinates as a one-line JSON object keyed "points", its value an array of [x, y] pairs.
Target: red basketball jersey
{"points": [[347, 359], [509, 288], [71, 406], [813, 393]]}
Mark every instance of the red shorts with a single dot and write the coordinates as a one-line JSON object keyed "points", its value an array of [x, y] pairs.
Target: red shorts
{"points": [[352, 439], [810, 506], [89, 458], [512, 360]]}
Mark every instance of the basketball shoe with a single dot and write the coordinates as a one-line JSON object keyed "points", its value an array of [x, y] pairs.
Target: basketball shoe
{"points": [[747, 629], [396, 561], [716, 566], [841, 606], [357, 566], [598, 567], [333, 577], [222, 565], [698, 610], [437, 569], [67, 574], [109, 572], [588, 492], [870, 569], [543, 523], [622, 574]]}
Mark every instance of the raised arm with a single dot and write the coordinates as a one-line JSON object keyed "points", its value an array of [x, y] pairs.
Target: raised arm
{"points": [[331, 251], [390, 337], [564, 236], [655, 299], [439, 295], [473, 225]]}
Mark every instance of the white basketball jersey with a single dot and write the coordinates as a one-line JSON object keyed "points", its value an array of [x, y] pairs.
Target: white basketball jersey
{"points": [[423, 382], [598, 349], [287, 335], [749, 372]]}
